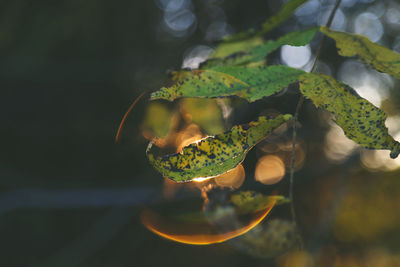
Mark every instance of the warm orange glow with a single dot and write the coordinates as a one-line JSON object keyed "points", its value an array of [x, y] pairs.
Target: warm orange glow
{"points": [[269, 170], [126, 115], [234, 178], [195, 233], [190, 134], [202, 179], [170, 187]]}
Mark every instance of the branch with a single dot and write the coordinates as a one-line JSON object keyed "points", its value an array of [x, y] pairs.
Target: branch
{"points": [[295, 119]]}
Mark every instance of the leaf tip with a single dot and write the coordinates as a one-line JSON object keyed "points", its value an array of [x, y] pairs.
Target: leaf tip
{"points": [[395, 151], [161, 94], [155, 95], [287, 117]]}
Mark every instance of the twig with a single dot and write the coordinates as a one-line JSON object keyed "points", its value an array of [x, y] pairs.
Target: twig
{"points": [[295, 119], [126, 116]]}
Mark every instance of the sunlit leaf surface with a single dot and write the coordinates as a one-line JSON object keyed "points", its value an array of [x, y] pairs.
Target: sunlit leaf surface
{"points": [[214, 155], [354, 45], [361, 121], [253, 53], [250, 83]]}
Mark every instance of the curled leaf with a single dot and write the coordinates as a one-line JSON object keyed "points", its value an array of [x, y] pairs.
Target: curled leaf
{"points": [[354, 45], [360, 120], [214, 155], [254, 53], [250, 83]]}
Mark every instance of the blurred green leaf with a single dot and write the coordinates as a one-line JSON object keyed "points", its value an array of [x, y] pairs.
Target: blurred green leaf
{"points": [[204, 112], [269, 239], [249, 53], [360, 120], [272, 22], [157, 119], [225, 49], [375, 55], [251, 201], [243, 203], [250, 83], [215, 155]]}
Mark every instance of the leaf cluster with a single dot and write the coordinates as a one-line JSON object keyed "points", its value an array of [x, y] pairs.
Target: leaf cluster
{"points": [[238, 68]]}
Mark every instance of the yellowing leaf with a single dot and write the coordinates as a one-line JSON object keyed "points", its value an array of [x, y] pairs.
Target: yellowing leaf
{"points": [[361, 121], [354, 45], [255, 52], [214, 155], [251, 83]]}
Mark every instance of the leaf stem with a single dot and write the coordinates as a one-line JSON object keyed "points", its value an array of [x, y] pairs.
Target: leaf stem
{"points": [[295, 119]]}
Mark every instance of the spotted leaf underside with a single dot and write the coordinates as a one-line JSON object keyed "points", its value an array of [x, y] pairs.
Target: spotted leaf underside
{"points": [[360, 120], [250, 83], [375, 55], [215, 155]]}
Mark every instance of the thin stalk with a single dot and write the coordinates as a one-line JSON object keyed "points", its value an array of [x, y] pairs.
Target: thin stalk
{"points": [[295, 119]]}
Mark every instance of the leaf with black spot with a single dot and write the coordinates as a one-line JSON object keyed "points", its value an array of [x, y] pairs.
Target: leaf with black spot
{"points": [[215, 155], [360, 120], [250, 83], [375, 55]]}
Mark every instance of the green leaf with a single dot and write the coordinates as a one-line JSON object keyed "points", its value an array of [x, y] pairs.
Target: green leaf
{"points": [[250, 83], [157, 119], [226, 49], [272, 22], [204, 112], [254, 53], [283, 14], [215, 155], [375, 55], [361, 121], [269, 239], [251, 201]]}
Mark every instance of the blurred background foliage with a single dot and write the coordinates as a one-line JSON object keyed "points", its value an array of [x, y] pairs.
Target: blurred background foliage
{"points": [[71, 197]]}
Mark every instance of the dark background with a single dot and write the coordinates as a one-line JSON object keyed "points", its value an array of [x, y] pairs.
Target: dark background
{"points": [[69, 70]]}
